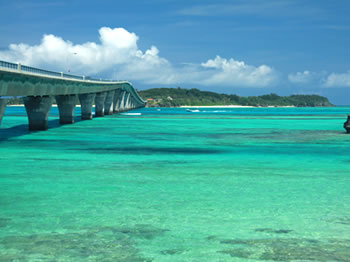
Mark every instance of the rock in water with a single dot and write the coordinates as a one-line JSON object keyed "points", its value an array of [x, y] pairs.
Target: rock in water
{"points": [[347, 125]]}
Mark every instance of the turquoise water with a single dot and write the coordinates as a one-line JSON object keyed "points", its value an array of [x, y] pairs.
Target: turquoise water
{"points": [[250, 184]]}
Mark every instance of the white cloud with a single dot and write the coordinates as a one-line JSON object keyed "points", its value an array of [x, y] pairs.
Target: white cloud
{"points": [[321, 79], [301, 77], [338, 80], [237, 73], [118, 56], [117, 47]]}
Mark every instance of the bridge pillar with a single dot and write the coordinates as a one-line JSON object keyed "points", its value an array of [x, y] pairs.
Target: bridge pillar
{"points": [[116, 101], [38, 109], [121, 101], [66, 107], [131, 103], [109, 102], [127, 102], [100, 104], [86, 102], [3, 103]]}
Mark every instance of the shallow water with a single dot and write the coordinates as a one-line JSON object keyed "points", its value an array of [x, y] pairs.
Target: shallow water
{"points": [[251, 184]]}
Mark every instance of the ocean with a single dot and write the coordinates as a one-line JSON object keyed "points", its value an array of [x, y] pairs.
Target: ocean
{"points": [[221, 184]]}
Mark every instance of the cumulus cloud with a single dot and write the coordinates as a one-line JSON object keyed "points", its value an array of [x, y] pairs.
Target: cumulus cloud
{"points": [[237, 73], [338, 80], [301, 77], [117, 47], [118, 56]]}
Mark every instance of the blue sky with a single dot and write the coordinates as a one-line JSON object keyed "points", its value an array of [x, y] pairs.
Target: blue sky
{"points": [[247, 47]]}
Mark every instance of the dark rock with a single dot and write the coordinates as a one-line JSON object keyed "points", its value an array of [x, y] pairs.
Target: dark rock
{"points": [[172, 251], [347, 125], [4, 222], [141, 231], [212, 237], [274, 231], [343, 220]]}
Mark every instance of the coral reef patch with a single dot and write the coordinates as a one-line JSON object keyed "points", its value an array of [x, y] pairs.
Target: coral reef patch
{"points": [[290, 249], [105, 244]]}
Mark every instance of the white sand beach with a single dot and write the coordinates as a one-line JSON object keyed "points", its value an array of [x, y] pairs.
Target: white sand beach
{"points": [[231, 106], [228, 106]]}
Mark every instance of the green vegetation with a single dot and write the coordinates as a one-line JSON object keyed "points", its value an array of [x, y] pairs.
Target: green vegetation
{"points": [[172, 97], [15, 101]]}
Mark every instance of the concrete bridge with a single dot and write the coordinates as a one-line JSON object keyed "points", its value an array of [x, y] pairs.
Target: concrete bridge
{"points": [[40, 87]]}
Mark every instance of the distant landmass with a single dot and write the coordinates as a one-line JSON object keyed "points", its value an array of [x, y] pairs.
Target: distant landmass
{"points": [[174, 97]]}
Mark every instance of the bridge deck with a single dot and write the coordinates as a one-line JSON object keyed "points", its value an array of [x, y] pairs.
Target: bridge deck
{"points": [[19, 80], [39, 86]]}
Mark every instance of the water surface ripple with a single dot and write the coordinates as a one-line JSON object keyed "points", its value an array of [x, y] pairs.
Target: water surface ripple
{"points": [[243, 184]]}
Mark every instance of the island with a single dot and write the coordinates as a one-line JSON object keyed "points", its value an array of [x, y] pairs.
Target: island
{"points": [[176, 97]]}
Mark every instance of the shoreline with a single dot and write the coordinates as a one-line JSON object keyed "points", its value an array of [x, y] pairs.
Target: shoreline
{"points": [[232, 106], [227, 106]]}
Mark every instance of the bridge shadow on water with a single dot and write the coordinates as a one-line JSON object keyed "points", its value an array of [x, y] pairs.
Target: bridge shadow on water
{"points": [[21, 130]]}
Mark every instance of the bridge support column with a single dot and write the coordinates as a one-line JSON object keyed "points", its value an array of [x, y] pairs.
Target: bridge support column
{"points": [[3, 103], [121, 101], [116, 101], [66, 107], [127, 102], [109, 102], [86, 102], [38, 109], [131, 103], [100, 104]]}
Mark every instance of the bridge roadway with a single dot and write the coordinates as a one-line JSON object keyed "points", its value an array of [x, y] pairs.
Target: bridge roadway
{"points": [[39, 87]]}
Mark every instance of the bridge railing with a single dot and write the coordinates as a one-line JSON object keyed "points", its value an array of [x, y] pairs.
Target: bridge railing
{"points": [[103, 80], [8, 65], [72, 76], [29, 69], [39, 71], [22, 68]]}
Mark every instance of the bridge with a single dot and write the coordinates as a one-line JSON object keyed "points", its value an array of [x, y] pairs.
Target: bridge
{"points": [[39, 88]]}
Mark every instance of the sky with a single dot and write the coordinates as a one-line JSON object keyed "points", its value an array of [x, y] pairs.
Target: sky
{"points": [[243, 47]]}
